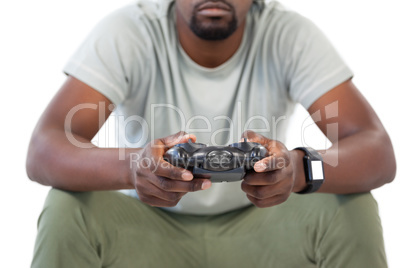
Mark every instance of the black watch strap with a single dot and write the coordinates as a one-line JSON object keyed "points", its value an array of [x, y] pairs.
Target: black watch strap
{"points": [[313, 170]]}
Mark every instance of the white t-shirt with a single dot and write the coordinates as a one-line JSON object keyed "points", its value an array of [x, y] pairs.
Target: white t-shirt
{"points": [[134, 58]]}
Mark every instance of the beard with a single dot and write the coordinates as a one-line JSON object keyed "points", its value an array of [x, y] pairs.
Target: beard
{"points": [[215, 29]]}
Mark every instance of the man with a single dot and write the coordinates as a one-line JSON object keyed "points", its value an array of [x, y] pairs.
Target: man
{"points": [[217, 70]]}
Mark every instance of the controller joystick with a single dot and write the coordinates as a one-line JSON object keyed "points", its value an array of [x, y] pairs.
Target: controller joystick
{"points": [[191, 147], [244, 145]]}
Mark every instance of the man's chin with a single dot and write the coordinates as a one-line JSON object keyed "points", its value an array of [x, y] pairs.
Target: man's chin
{"points": [[213, 30], [213, 35]]}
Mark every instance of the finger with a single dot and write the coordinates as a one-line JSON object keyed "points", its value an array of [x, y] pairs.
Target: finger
{"points": [[179, 137], [149, 189], [164, 169], [277, 155], [169, 185], [263, 178], [262, 192], [272, 162], [255, 137], [151, 195], [269, 202]]}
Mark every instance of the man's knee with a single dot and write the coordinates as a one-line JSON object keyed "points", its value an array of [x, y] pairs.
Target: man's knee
{"points": [[65, 231], [354, 234], [62, 213]]}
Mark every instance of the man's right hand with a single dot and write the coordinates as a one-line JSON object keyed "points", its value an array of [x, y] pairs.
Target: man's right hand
{"points": [[157, 182]]}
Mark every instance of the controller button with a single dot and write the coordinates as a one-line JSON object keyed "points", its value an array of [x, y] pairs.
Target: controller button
{"points": [[219, 157]]}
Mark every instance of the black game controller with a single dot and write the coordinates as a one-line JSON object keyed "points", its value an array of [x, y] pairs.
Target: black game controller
{"points": [[217, 163]]}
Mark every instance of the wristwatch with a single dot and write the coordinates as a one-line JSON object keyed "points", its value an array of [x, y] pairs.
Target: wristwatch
{"points": [[313, 170]]}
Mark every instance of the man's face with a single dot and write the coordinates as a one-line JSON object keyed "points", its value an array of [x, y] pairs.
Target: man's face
{"points": [[213, 19]]}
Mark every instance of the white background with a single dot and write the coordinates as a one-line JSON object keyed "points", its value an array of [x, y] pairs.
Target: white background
{"points": [[37, 38]]}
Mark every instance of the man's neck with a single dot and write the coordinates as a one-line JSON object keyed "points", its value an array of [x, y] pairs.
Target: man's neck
{"points": [[207, 53]]}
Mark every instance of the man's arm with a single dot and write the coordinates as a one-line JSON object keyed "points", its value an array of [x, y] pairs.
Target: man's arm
{"points": [[56, 161], [360, 159], [53, 160]]}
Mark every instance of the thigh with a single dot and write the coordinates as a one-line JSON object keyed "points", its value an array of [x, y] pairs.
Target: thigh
{"points": [[353, 237], [317, 230], [110, 229]]}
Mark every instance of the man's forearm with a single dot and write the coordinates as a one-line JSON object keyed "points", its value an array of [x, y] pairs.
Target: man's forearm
{"points": [[357, 163], [53, 160]]}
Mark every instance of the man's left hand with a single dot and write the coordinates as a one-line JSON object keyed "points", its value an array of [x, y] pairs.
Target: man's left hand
{"points": [[273, 178]]}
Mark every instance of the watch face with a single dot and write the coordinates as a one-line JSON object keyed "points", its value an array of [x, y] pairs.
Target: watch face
{"points": [[317, 170]]}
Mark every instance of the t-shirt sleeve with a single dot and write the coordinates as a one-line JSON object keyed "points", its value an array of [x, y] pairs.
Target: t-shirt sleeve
{"points": [[312, 64], [109, 59]]}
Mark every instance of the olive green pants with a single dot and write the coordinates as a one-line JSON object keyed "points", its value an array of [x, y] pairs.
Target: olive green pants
{"points": [[109, 229]]}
